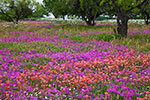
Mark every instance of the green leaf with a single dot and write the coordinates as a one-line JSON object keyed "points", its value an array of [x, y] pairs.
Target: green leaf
{"points": [[119, 2], [101, 3]]}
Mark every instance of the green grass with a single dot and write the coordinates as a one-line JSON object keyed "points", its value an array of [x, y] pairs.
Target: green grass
{"points": [[103, 36], [141, 42], [39, 47]]}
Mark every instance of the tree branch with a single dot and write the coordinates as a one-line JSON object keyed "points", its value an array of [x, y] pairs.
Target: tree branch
{"points": [[133, 15], [139, 5], [2, 12]]}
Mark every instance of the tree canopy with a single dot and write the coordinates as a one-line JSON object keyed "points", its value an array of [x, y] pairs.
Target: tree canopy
{"points": [[38, 11], [57, 7], [88, 10], [14, 10]]}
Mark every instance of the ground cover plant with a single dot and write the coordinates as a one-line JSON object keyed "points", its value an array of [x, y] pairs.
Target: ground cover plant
{"points": [[43, 60]]}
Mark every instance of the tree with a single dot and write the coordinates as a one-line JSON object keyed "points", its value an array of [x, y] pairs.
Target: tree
{"points": [[39, 11], [57, 7], [146, 14], [14, 10], [126, 9], [88, 10]]}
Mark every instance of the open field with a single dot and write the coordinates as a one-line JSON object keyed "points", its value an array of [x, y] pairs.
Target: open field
{"points": [[43, 60]]}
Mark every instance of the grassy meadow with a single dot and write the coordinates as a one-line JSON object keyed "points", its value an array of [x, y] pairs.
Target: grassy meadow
{"points": [[47, 60]]}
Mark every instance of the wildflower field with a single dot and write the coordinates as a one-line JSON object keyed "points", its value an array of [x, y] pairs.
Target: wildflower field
{"points": [[43, 60]]}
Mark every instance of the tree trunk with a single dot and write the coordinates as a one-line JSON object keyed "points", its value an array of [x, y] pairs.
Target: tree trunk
{"points": [[63, 17], [122, 20], [147, 19], [15, 21], [55, 15], [122, 23], [90, 22]]}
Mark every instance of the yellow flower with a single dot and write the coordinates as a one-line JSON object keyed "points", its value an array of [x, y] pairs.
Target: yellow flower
{"points": [[61, 87]]}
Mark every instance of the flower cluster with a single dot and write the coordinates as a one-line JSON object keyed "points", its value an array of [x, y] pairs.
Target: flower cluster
{"points": [[40, 66], [139, 32]]}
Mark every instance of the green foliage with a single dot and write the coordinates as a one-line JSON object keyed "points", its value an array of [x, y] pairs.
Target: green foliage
{"points": [[57, 7], [14, 10], [102, 18], [146, 14], [39, 11], [126, 9], [88, 10]]}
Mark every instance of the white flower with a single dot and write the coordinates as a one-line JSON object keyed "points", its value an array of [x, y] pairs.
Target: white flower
{"points": [[46, 98]]}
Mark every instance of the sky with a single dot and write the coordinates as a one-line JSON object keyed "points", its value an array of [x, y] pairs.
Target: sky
{"points": [[39, 1]]}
